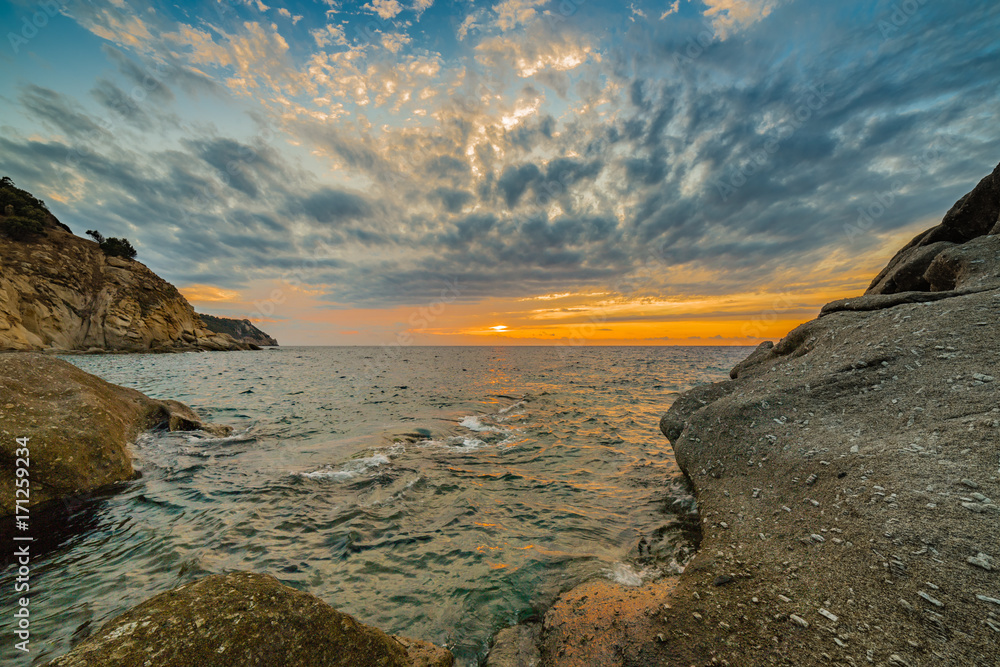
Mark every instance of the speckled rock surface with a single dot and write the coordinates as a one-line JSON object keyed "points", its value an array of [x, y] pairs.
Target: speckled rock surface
{"points": [[243, 619], [78, 426], [848, 478]]}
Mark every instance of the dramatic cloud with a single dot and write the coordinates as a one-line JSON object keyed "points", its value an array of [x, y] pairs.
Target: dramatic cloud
{"points": [[370, 157]]}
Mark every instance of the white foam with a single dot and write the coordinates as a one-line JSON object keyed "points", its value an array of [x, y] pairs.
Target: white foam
{"points": [[348, 470], [624, 574], [455, 442], [473, 424], [511, 407]]}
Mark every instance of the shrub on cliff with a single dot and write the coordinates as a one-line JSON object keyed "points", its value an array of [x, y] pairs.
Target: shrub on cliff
{"points": [[23, 215], [114, 246]]}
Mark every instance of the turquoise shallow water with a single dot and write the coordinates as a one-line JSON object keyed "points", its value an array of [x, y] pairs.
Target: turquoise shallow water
{"points": [[441, 493]]}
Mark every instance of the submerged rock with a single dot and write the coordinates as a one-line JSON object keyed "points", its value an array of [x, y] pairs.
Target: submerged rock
{"points": [[242, 619], [78, 427], [516, 646]]}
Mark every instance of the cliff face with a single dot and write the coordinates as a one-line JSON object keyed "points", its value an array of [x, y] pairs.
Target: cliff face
{"points": [[241, 330], [59, 291]]}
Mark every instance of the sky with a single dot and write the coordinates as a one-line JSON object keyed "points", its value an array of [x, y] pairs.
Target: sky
{"points": [[571, 172]]}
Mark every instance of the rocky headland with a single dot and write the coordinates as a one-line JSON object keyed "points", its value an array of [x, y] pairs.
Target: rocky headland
{"points": [[847, 479], [241, 330], [61, 293]]}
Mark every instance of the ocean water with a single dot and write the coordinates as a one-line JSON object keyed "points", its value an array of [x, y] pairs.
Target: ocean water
{"points": [[442, 493]]}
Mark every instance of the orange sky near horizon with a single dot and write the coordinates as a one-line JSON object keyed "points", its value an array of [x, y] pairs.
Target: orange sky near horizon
{"points": [[297, 315]]}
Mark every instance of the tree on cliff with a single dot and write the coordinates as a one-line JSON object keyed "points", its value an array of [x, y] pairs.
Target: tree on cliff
{"points": [[114, 246], [23, 215]]}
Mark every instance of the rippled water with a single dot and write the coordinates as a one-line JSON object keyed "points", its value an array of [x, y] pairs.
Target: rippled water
{"points": [[441, 493]]}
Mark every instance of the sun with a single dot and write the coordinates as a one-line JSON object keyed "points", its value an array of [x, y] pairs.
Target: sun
{"points": [[499, 327]]}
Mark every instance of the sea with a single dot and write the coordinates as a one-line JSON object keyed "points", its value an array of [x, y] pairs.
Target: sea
{"points": [[442, 493]]}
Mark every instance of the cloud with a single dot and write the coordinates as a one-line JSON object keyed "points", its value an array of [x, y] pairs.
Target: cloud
{"points": [[210, 294], [385, 9], [421, 6], [395, 41], [672, 9], [332, 205], [729, 16], [512, 13], [590, 155]]}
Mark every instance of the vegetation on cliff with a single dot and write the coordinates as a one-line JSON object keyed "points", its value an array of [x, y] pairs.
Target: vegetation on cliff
{"points": [[23, 216], [113, 246], [242, 330], [60, 292]]}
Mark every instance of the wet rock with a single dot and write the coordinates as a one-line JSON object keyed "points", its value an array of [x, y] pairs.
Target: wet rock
{"points": [[78, 425], [516, 646], [244, 618]]}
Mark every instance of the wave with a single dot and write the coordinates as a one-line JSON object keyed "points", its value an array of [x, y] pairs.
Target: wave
{"points": [[348, 470], [625, 574]]}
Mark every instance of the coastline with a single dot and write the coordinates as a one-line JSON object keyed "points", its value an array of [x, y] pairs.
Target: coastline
{"points": [[844, 496], [845, 481]]}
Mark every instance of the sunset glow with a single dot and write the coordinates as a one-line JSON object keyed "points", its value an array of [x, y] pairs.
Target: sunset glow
{"points": [[684, 173]]}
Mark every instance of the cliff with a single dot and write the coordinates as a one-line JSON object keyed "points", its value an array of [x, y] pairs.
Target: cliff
{"points": [[241, 330], [61, 292]]}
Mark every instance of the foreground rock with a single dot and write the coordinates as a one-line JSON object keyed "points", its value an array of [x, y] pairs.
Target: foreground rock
{"points": [[244, 619], [61, 292], [848, 477], [78, 426], [241, 330]]}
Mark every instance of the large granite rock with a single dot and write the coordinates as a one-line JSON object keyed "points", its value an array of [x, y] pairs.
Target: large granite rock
{"points": [[847, 477], [59, 291], [78, 426], [243, 619], [937, 260]]}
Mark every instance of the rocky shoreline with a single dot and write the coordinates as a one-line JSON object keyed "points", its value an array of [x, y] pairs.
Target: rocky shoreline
{"points": [[78, 429], [62, 294], [845, 476], [845, 479]]}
